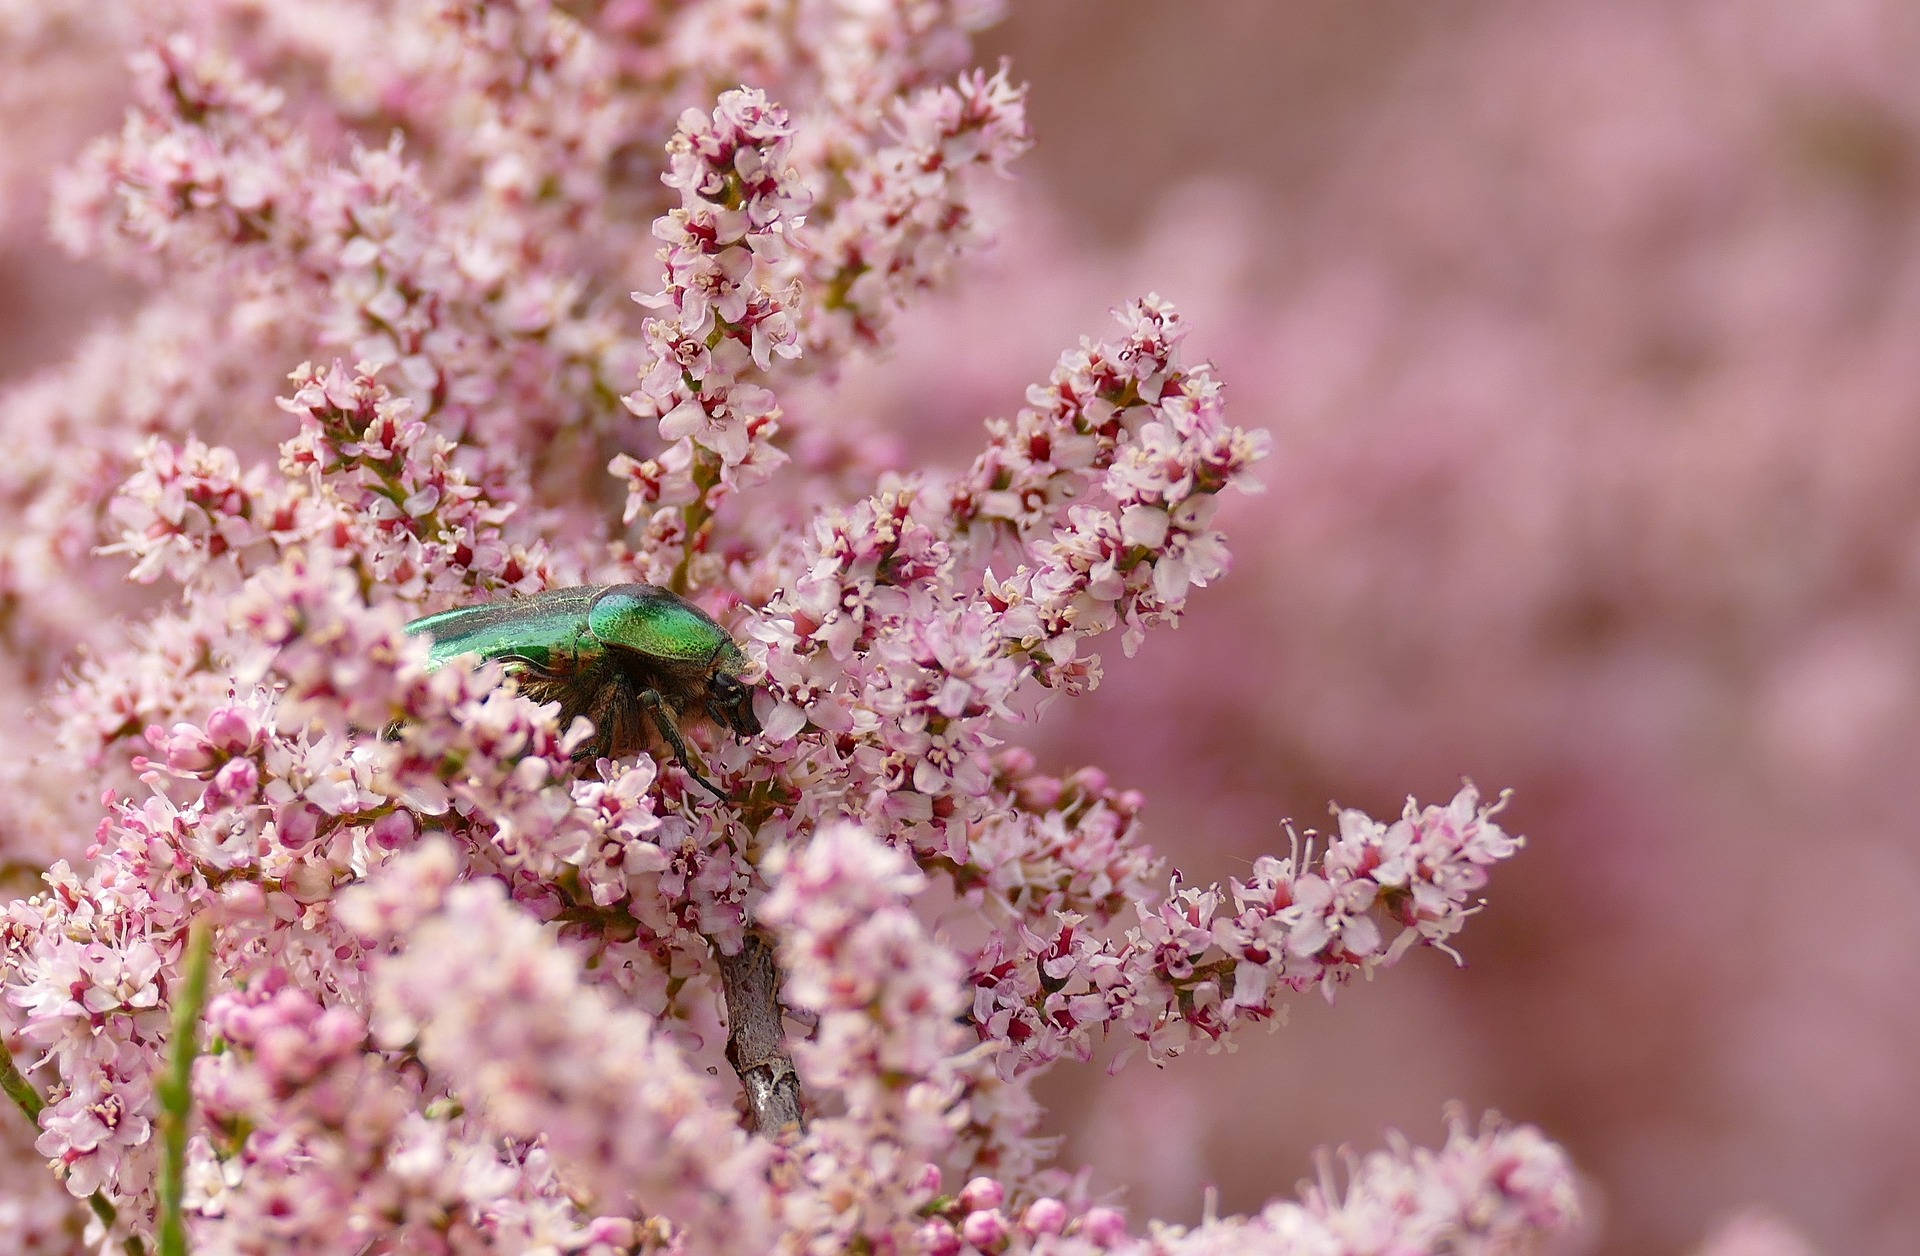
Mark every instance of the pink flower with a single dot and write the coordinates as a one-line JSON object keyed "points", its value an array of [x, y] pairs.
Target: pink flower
{"points": [[89, 1132]]}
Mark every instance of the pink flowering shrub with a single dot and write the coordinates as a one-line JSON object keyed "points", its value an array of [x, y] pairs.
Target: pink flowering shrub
{"points": [[1586, 335], [360, 956]]}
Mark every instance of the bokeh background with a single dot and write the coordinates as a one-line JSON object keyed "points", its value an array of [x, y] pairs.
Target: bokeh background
{"points": [[1589, 334]]}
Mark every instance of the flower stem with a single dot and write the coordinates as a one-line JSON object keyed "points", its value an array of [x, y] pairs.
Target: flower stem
{"points": [[176, 1088], [19, 1089]]}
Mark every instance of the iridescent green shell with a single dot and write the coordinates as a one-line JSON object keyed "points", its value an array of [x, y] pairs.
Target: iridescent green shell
{"points": [[540, 629], [563, 629], [651, 621]]}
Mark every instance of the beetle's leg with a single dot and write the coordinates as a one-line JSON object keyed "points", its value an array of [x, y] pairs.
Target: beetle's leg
{"points": [[609, 703], [591, 750], [663, 720]]}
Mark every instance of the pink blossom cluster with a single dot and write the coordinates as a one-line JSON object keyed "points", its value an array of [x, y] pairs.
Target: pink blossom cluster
{"points": [[1203, 960], [356, 1153], [1484, 1190], [888, 627], [505, 1019], [886, 1046], [472, 993], [906, 212], [726, 245]]}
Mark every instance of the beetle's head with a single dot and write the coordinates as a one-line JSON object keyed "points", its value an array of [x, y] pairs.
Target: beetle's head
{"points": [[729, 697]]}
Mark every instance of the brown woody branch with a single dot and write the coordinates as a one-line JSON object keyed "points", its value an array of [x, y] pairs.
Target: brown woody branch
{"points": [[757, 1040]]}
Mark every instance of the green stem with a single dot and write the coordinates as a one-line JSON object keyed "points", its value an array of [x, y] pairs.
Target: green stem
{"points": [[28, 1100], [19, 1089], [706, 474], [176, 1088]]}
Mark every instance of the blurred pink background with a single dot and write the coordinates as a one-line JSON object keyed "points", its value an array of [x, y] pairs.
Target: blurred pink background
{"points": [[1589, 334], [1590, 338]]}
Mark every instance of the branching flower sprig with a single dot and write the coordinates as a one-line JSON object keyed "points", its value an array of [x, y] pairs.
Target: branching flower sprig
{"points": [[340, 951], [726, 246]]}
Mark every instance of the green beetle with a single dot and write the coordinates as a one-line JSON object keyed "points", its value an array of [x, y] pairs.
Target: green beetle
{"points": [[610, 652]]}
